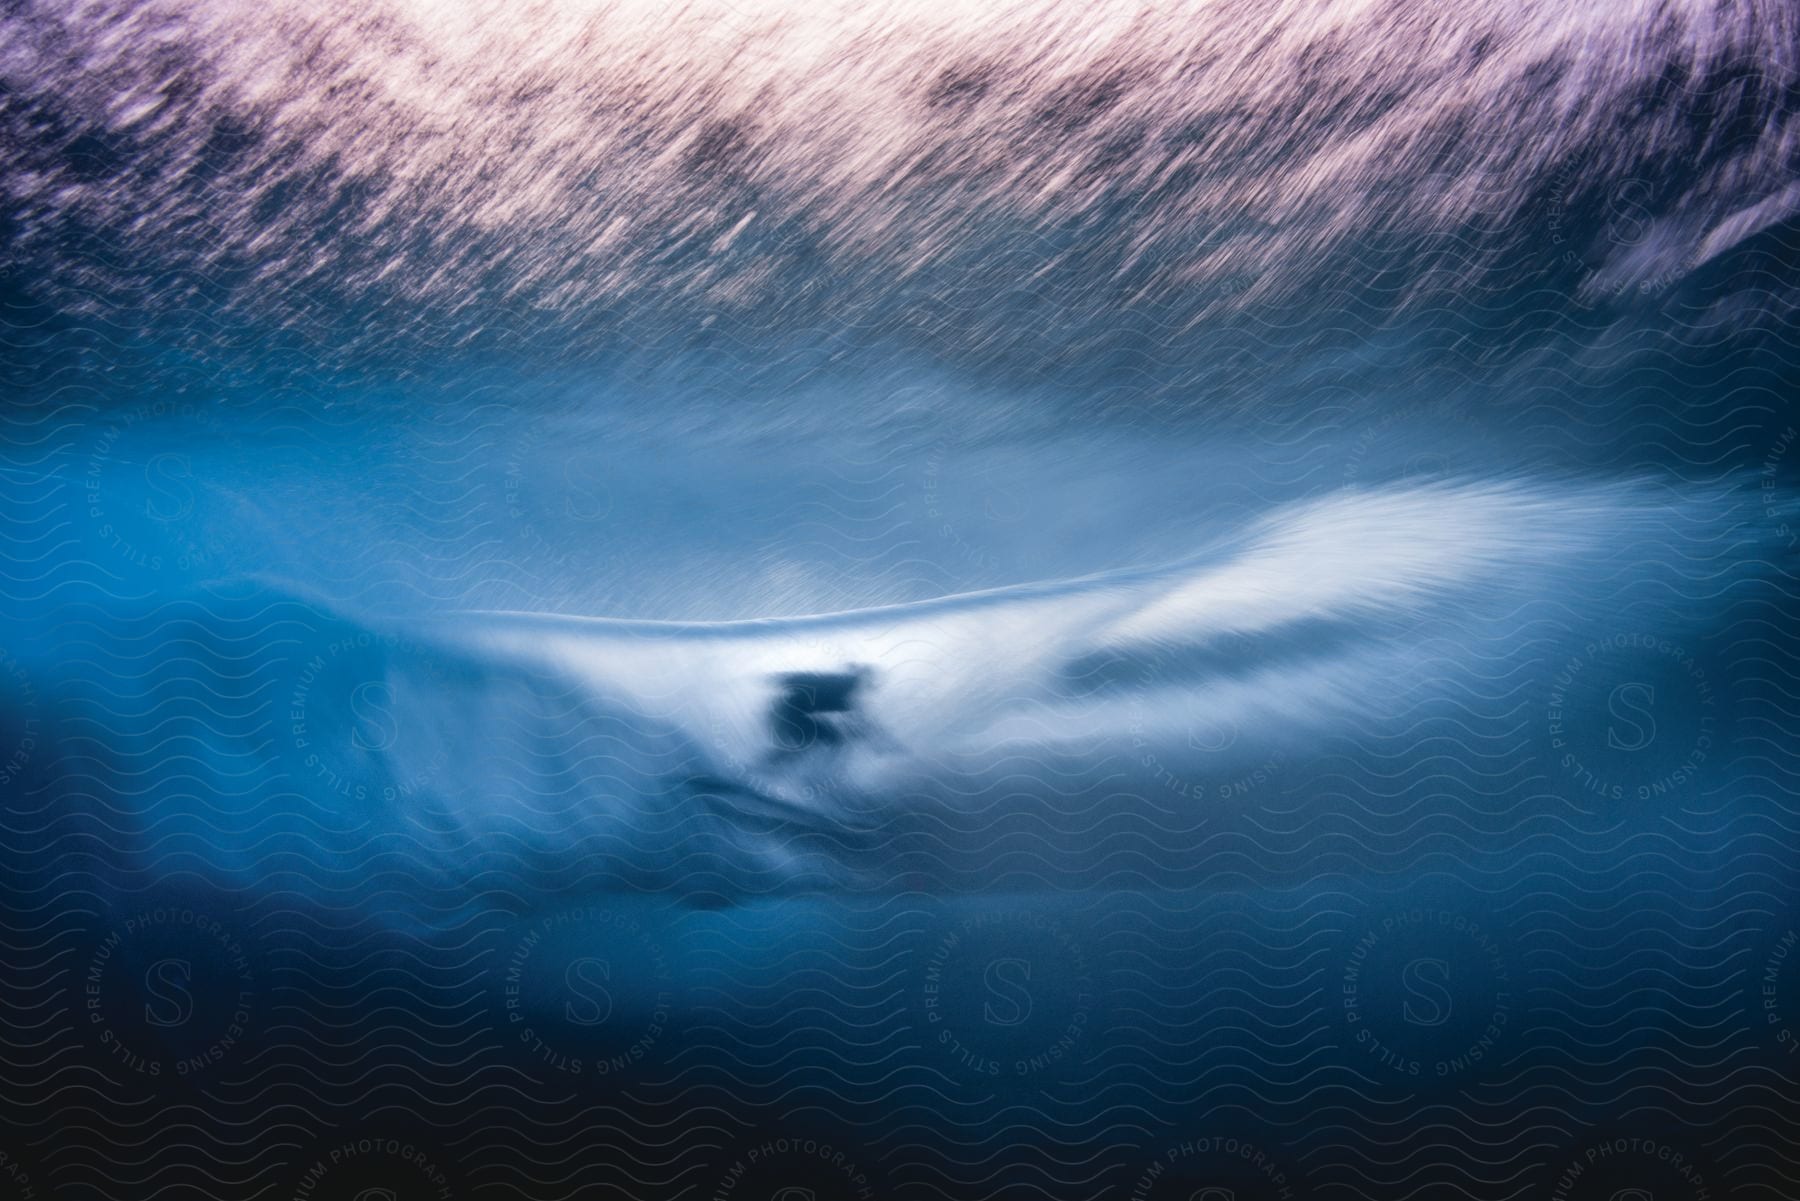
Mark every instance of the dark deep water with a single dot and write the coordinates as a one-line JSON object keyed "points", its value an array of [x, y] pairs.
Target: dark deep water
{"points": [[743, 602]]}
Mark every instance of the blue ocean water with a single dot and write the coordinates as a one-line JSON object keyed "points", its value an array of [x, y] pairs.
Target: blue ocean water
{"points": [[1141, 601]]}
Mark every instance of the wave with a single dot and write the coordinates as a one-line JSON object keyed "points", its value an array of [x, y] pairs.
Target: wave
{"points": [[494, 758], [516, 673]]}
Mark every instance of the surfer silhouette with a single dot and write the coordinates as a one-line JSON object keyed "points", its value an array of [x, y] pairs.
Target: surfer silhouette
{"points": [[816, 709]]}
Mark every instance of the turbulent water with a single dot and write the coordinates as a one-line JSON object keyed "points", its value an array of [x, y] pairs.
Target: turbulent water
{"points": [[1031, 600]]}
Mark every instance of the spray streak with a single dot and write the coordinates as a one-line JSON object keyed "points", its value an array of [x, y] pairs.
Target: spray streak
{"points": [[624, 173]]}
